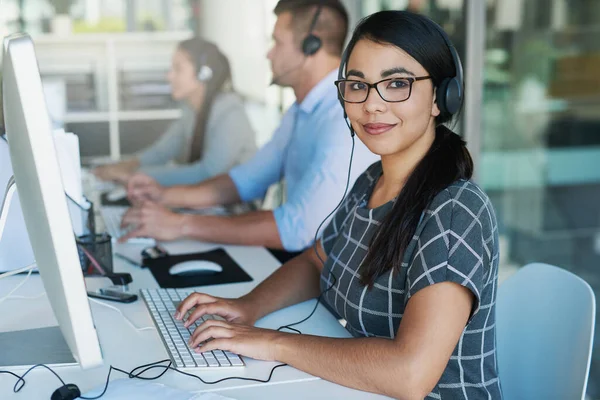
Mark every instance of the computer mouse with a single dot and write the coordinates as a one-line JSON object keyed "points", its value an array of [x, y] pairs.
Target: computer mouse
{"points": [[117, 194], [195, 267]]}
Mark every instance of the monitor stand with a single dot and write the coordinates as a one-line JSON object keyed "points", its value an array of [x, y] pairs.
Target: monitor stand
{"points": [[35, 346]]}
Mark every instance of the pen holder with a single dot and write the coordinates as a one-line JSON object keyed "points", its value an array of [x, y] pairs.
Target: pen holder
{"points": [[95, 254]]}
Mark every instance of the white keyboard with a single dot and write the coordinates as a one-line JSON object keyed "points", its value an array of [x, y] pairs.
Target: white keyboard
{"points": [[112, 217], [162, 304]]}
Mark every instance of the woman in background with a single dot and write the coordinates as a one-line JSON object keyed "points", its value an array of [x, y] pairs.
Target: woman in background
{"points": [[213, 133]]}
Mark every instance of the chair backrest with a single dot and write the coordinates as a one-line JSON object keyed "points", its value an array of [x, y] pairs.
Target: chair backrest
{"points": [[545, 326]]}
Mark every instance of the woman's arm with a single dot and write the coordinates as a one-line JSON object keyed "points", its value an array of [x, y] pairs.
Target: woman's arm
{"points": [[228, 139], [296, 281], [407, 367], [168, 146]]}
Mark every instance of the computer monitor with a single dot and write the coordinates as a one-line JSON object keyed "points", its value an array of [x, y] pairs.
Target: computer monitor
{"points": [[44, 205]]}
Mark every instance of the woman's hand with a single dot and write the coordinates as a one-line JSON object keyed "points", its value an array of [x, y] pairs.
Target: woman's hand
{"points": [[257, 343], [240, 310], [142, 187]]}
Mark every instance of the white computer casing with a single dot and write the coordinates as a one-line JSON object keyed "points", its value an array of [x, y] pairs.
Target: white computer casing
{"points": [[41, 193]]}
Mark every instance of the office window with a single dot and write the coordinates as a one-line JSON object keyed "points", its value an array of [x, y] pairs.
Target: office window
{"points": [[96, 16], [541, 136]]}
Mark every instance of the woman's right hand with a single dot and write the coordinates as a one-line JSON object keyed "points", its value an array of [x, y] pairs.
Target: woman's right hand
{"points": [[142, 188], [233, 310]]}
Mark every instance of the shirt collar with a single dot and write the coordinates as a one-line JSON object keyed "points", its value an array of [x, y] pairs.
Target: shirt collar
{"points": [[317, 93]]}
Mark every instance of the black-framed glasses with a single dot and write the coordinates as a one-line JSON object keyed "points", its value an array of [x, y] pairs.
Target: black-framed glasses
{"points": [[392, 90]]}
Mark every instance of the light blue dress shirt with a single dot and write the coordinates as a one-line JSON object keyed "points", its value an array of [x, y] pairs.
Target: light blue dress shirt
{"points": [[311, 150]]}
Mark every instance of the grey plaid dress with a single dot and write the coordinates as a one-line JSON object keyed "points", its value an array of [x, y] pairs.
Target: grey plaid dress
{"points": [[456, 241]]}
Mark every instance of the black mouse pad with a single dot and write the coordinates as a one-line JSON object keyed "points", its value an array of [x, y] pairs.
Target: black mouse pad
{"points": [[232, 272], [123, 202]]}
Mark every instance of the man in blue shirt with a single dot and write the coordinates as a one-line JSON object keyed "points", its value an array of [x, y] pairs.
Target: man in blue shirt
{"points": [[310, 150]]}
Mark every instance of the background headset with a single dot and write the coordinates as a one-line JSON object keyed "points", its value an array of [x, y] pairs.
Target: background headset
{"points": [[449, 93], [205, 73], [312, 43]]}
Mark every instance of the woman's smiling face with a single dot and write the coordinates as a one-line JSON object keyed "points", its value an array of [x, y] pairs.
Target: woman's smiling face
{"points": [[388, 128]]}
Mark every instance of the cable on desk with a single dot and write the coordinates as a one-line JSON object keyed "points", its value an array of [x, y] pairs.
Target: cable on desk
{"points": [[18, 271], [3, 299], [137, 375], [147, 328]]}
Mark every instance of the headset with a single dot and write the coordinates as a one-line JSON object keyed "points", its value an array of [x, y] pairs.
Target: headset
{"points": [[449, 94], [312, 43], [205, 73]]}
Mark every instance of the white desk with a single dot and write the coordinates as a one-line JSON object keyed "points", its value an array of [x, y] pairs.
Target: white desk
{"points": [[126, 348]]}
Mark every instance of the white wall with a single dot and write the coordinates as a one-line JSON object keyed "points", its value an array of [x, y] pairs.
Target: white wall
{"points": [[242, 31]]}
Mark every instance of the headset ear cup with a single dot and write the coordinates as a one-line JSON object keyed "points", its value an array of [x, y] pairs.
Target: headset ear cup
{"points": [[440, 95], [311, 44], [453, 96], [205, 73]]}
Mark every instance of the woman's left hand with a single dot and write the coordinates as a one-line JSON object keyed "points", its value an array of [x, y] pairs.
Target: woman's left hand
{"points": [[257, 343]]}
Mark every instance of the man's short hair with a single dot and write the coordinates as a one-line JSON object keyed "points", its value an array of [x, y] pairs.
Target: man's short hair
{"points": [[331, 26]]}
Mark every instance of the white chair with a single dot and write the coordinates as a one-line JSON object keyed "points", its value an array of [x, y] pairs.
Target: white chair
{"points": [[545, 327]]}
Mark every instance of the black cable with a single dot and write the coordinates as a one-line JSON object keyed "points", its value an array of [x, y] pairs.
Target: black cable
{"points": [[289, 326], [21, 379], [131, 375], [139, 375]]}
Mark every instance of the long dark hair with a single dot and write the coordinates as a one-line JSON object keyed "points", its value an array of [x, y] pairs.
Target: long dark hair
{"points": [[202, 52], [446, 161]]}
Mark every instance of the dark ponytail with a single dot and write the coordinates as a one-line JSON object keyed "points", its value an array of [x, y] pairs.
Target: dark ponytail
{"points": [[446, 161]]}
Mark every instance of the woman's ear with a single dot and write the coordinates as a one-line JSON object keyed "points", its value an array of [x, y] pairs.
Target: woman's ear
{"points": [[435, 110]]}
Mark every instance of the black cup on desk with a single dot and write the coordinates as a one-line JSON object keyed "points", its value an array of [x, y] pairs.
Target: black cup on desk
{"points": [[95, 254]]}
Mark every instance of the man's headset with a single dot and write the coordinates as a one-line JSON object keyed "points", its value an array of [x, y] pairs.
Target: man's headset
{"points": [[310, 45], [449, 94]]}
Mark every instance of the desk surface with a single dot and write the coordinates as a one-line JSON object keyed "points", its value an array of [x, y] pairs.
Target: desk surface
{"points": [[127, 348]]}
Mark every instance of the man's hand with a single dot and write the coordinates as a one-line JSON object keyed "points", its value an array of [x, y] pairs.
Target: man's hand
{"points": [[142, 188], [119, 172], [154, 221]]}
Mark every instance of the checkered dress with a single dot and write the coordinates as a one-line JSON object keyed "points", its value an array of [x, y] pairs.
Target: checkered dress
{"points": [[456, 241]]}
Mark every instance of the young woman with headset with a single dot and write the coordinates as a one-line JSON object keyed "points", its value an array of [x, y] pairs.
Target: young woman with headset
{"points": [[213, 134], [411, 256]]}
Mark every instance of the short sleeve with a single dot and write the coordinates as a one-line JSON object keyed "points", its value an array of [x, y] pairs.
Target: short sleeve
{"points": [[450, 248]]}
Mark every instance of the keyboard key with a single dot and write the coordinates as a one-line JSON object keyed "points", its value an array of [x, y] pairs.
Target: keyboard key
{"points": [[236, 361], [212, 362], [200, 360]]}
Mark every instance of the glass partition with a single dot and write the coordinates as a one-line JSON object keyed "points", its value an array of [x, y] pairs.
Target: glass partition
{"points": [[541, 136]]}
